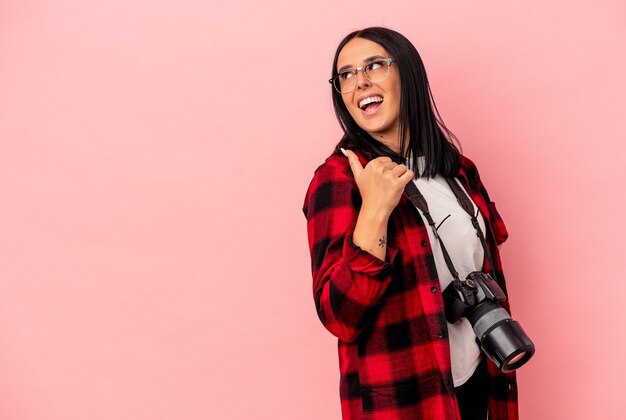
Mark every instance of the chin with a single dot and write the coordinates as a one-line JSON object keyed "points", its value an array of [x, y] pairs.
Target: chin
{"points": [[375, 128]]}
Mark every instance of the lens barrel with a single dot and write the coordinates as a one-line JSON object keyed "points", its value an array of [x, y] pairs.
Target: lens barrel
{"points": [[507, 345], [501, 337]]}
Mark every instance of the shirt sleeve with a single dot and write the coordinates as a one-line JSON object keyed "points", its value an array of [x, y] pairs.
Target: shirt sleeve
{"points": [[500, 231], [349, 283]]}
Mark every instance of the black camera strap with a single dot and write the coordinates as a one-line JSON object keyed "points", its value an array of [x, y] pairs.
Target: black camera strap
{"points": [[466, 204], [419, 201]]}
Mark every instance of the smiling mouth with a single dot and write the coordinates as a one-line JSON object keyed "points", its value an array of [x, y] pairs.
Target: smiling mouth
{"points": [[371, 108], [368, 102]]}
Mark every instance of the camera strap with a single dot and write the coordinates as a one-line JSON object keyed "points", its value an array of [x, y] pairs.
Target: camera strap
{"points": [[419, 201], [466, 204]]}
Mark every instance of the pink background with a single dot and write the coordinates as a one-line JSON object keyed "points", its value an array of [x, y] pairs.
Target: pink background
{"points": [[154, 156]]}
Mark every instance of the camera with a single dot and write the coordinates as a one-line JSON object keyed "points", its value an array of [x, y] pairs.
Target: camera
{"points": [[501, 338]]}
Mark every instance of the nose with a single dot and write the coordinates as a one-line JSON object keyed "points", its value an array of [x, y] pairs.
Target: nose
{"points": [[361, 80]]}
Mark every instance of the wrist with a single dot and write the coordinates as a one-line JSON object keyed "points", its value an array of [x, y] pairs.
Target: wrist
{"points": [[375, 216]]}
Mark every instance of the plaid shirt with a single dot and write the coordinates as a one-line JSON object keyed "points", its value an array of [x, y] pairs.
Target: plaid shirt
{"points": [[388, 316]]}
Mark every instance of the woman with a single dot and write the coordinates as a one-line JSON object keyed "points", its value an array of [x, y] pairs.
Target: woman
{"points": [[378, 270]]}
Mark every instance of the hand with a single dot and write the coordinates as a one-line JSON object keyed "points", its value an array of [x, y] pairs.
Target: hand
{"points": [[380, 183]]}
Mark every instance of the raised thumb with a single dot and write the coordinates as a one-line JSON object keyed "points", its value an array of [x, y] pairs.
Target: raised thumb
{"points": [[353, 159]]}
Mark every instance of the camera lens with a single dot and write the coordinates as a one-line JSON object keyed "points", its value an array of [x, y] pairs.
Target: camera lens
{"points": [[517, 358], [517, 361], [507, 345]]}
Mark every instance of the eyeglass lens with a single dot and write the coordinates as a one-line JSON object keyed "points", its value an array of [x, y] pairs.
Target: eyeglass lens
{"points": [[375, 72]]}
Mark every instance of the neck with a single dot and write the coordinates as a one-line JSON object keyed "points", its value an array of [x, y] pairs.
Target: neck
{"points": [[390, 137]]}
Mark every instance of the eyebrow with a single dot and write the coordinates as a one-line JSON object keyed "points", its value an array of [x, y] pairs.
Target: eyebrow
{"points": [[367, 60]]}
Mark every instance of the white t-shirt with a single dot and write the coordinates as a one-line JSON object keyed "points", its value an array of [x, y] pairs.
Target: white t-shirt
{"points": [[466, 253]]}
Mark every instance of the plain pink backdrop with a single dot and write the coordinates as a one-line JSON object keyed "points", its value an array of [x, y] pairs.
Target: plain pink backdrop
{"points": [[154, 156]]}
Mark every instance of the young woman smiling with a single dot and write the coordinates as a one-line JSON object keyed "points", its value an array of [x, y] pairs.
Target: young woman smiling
{"points": [[378, 270]]}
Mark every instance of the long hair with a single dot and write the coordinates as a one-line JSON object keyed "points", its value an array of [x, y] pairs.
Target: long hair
{"points": [[418, 124]]}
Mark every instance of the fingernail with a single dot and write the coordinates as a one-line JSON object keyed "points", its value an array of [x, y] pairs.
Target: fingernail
{"points": [[343, 151]]}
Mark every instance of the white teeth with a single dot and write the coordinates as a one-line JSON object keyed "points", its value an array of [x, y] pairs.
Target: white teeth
{"points": [[370, 100]]}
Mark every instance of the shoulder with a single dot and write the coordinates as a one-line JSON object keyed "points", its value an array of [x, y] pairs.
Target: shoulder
{"points": [[335, 169], [331, 179], [337, 166], [469, 170], [332, 182], [335, 163], [467, 164]]}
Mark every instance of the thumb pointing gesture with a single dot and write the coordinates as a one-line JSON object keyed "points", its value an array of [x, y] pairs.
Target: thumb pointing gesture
{"points": [[355, 165], [381, 182]]}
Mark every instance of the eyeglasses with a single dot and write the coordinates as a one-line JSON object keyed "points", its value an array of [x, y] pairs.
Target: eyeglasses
{"points": [[375, 71]]}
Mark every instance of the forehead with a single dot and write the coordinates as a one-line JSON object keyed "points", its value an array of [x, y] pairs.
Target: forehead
{"points": [[357, 51]]}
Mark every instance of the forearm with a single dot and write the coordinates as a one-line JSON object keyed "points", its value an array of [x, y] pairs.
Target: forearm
{"points": [[370, 233]]}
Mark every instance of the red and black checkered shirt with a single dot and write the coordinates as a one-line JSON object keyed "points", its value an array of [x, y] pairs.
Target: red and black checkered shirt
{"points": [[388, 316]]}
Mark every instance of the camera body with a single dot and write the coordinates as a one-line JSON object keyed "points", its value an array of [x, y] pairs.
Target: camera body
{"points": [[501, 338]]}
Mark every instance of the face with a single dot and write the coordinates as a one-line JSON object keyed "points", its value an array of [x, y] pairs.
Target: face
{"points": [[381, 121]]}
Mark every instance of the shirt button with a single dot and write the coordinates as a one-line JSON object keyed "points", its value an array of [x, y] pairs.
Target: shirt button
{"points": [[433, 289], [440, 335], [423, 243]]}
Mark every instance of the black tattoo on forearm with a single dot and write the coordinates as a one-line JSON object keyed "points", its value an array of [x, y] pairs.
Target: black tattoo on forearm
{"points": [[382, 241]]}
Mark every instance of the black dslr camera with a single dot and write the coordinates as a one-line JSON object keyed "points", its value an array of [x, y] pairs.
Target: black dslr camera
{"points": [[500, 337]]}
